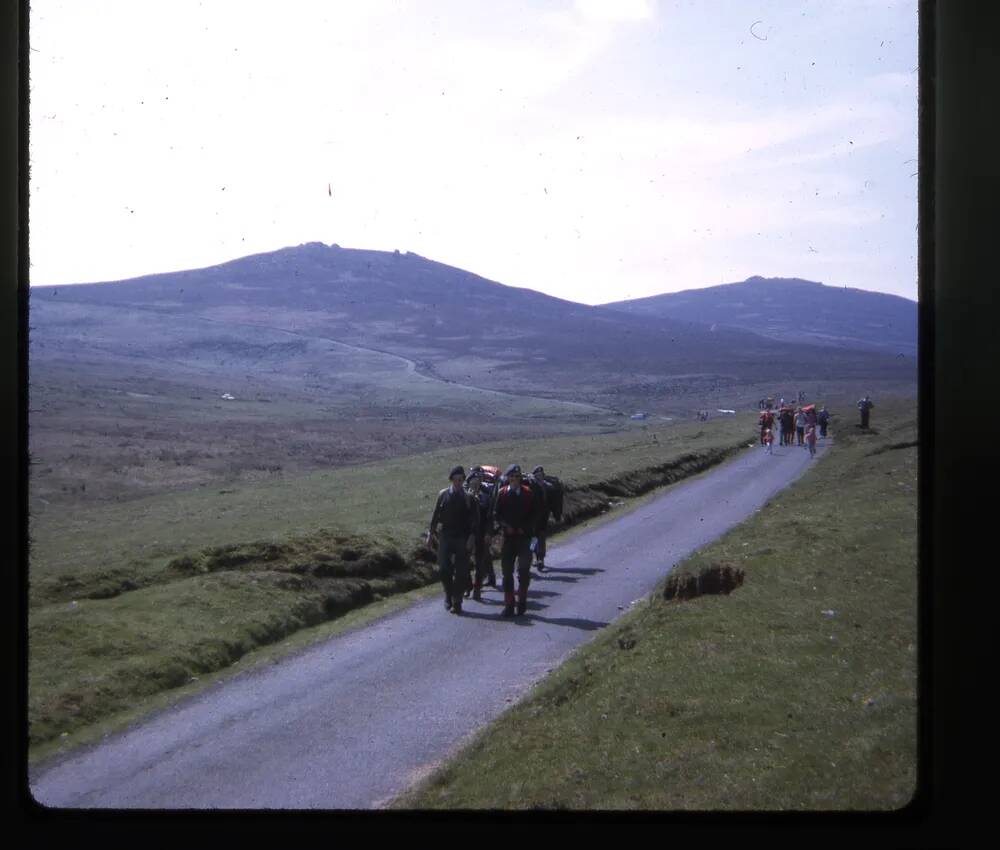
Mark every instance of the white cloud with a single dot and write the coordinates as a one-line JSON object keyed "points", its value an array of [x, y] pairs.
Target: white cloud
{"points": [[615, 11], [556, 147]]}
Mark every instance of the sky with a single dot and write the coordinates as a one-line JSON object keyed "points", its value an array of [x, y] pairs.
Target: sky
{"points": [[594, 150]]}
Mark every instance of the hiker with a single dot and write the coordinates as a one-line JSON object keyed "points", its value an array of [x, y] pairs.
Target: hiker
{"points": [[787, 425], [482, 562], [768, 439], [552, 506], [800, 427], [515, 513], [458, 515], [766, 423], [865, 406], [489, 477], [811, 417], [811, 440], [823, 418]]}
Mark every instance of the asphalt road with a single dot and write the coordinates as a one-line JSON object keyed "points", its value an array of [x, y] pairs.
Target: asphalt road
{"points": [[351, 722]]}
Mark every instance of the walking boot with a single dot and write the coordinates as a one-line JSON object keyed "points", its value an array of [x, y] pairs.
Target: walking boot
{"points": [[491, 580], [456, 606], [447, 603], [540, 566], [522, 600], [508, 610], [477, 591]]}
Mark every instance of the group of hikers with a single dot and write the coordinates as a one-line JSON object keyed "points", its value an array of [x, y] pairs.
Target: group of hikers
{"points": [[472, 511], [791, 423], [475, 509], [800, 422]]}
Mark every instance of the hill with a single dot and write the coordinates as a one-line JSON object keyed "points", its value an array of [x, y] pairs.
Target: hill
{"points": [[794, 310], [317, 356]]}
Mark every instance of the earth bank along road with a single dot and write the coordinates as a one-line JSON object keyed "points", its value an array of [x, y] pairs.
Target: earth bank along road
{"points": [[351, 722]]}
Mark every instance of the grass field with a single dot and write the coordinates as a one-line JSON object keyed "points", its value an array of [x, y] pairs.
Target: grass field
{"points": [[130, 601], [796, 691]]}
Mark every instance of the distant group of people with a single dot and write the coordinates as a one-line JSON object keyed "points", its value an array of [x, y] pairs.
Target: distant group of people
{"points": [[792, 423], [800, 423], [472, 511]]}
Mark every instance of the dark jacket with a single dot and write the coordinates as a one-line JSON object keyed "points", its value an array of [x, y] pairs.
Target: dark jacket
{"points": [[483, 500], [516, 514], [540, 494], [458, 513]]}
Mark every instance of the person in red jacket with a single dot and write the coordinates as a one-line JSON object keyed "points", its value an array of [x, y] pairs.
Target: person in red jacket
{"points": [[766, 424], [516, 515]]}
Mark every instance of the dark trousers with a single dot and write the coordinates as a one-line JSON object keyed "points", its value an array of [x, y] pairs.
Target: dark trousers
{"points": [[801, 434], [519, 549], [453, 562], [540, 546], [822, 429], [864, 418], [483, 564]]}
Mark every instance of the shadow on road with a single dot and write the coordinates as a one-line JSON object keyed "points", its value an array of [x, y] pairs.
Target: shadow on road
{"points": [[572, 622], [581, 571], [532, 618]]}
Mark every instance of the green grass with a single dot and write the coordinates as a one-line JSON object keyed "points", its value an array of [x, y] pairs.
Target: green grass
{"points": [[756, 700], [129, 602]]}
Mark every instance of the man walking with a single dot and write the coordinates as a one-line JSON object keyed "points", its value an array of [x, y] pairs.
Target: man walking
{"points": [[458, 515], [865, 406], [800, 427], [823, 418], [766, 424], [481, 553], [551, 506], [516, 515], [787, 425]]}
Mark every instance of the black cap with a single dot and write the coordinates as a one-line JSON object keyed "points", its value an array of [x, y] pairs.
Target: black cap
{"points": [[458, 470], [513, 469], [536, 470], [476, 473]]}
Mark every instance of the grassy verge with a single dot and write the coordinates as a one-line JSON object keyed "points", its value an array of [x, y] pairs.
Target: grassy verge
{"points": [[795, 691], [113, 625]]}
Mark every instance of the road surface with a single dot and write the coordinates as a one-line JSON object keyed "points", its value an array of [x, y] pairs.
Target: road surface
{"points": [[353, 721]]}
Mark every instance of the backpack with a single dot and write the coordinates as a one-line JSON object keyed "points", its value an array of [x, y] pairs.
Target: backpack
{"points": [[554, 492]]}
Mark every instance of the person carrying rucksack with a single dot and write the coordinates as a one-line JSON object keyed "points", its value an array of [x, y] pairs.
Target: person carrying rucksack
{"points": [[515, 514], [552, 506], [458, 516], [481, 555]]}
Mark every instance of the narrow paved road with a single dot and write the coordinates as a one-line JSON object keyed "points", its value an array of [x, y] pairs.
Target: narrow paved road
{"points": [[351, 722]]}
